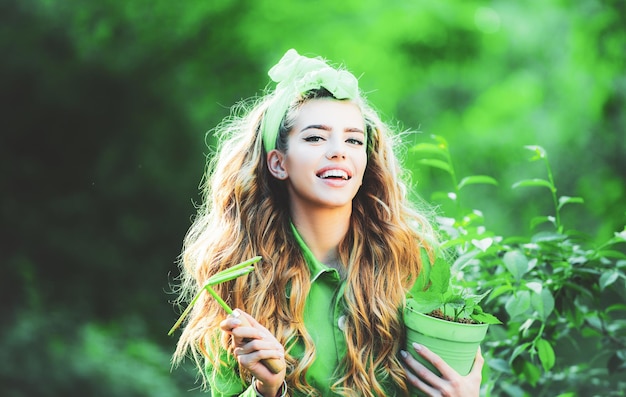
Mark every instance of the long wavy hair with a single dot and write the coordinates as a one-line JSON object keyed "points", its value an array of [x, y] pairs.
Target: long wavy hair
{"points": [[245, 212]]}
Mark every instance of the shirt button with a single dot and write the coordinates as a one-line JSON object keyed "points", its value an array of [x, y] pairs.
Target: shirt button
{"points": [[342, 323]]}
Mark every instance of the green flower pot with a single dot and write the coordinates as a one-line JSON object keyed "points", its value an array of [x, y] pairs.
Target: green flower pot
{"points": [[455, 343]]}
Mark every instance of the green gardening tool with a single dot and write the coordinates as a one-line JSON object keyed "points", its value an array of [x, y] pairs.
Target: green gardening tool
{"points": [[274, 365]]}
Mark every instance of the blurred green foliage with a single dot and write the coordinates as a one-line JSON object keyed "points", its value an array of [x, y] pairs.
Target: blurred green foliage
{"points": [[561, 291], [106, 105]]}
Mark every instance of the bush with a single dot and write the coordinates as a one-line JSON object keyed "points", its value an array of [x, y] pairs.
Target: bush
{"points": [[558, 290], [48, 354]]}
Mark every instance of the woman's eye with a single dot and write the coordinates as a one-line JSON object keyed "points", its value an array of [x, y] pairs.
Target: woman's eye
{"points": [[355, 141], [313, 138]]}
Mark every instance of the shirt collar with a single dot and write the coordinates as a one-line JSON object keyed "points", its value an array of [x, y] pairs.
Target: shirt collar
{"points": [[315, 267]]}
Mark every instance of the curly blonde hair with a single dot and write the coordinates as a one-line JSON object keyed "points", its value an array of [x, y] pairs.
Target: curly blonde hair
{"points": [[245, 213]]}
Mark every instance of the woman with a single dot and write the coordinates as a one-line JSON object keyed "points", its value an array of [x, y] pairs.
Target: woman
{"points": [[307, 179]]}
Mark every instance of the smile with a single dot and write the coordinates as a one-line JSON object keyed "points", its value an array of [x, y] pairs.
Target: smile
{"points": [[334, 174]]}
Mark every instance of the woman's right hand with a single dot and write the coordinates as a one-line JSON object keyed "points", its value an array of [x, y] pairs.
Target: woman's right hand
{"points": [[252, 344]]}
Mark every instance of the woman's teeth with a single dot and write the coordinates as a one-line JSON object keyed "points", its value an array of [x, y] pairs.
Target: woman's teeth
{"points": [[334, 174]]}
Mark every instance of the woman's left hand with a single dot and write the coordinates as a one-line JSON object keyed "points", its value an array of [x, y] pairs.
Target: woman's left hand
{"points": [[450, 383]]}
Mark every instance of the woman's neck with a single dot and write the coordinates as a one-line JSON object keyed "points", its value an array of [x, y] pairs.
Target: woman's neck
{"points": [[322, 231]]}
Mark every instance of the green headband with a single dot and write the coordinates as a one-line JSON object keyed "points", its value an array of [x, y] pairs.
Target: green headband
{"points": [[295, 75]]}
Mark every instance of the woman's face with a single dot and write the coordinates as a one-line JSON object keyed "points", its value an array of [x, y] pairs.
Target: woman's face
{"points": [[326, 155]]}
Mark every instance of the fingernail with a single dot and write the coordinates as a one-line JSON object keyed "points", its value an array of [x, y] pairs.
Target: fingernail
{"points": [[417, 346], [235, 316], [404, 354]]}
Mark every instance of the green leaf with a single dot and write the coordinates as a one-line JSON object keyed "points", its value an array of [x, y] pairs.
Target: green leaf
{"points": [[499, 365], [436, 164], [476, 299], [543, 303], [439, 276], [519, 350], [457, 308], [531, 372], [464, 260], [616, 307], [451, 243], [233, 272], [518, 304], [435, 296], [538, 220], [426, 302], [499, 291], [540, 153], [548, 302], [516, 263], [547, 237], [612, 254], [485, 318], [526, 325], [608, 278], [533, 182], [534, 286], [477, 180], [546, 354], [441, 140], [228, 274], [430, 148], [483, 244], [569, 200]]}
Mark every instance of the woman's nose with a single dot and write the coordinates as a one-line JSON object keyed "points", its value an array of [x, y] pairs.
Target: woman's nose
{"points": [[336, 149]]}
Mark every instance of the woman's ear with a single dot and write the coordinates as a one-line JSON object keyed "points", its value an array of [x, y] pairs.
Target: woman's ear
{"points": [[275, 164]]}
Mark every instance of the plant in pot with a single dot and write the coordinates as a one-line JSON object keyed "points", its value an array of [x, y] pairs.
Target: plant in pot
{"points": [[446, 318], [440, 313]]}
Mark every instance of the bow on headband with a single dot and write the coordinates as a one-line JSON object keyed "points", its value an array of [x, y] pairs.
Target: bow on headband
{"points": [[295, 75]]}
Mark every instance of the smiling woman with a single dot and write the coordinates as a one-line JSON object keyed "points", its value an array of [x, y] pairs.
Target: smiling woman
{"points": [[325, 158], [307, 179]]}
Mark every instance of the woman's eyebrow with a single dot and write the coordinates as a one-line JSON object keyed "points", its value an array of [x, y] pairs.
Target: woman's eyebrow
{"points": [[354, 130], [316, 127], [328, 128]]}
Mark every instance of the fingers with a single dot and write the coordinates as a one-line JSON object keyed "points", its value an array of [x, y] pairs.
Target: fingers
{"points": [[259, 350], [229, 323], [450, 383], [255, 347], [246, 318], [426, 380], [446, 371], [243, 328], [417, 374]]}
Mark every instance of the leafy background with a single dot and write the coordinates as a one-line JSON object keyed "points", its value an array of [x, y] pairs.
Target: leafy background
{"points": [[106, 108]]}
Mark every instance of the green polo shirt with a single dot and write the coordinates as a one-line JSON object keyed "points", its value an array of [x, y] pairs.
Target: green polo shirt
{"points": [[323, 318]]}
